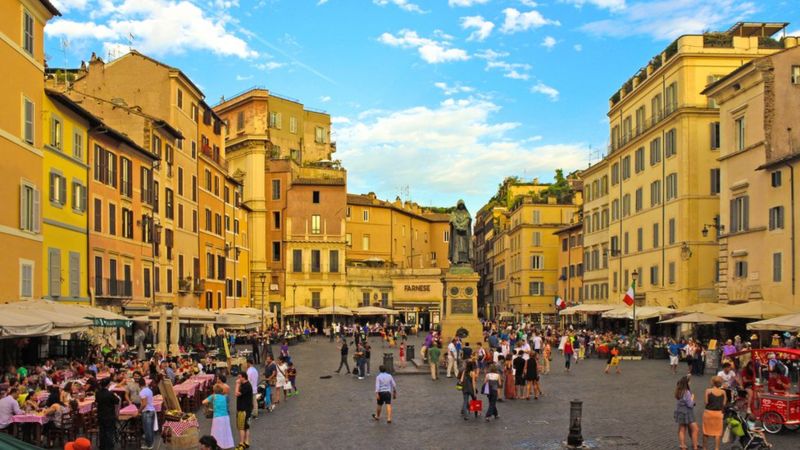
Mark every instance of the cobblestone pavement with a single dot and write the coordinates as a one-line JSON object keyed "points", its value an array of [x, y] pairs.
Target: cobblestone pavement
{"points": [[627, 411]]}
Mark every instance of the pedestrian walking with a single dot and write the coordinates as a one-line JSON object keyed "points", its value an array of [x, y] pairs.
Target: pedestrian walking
{"points": [[281, 380], [256, 350], [343, 350], [519, 367], [547, 356], [403, 353], [492, 382], [468, 379], [385, 392], [674, 355], [715, 400], [291, 374], [244, 405], [270, 375], [509, 389], [433, 360], [367, 355], [252, 377], [684, 413], [221, 422], [532, 377], [568, 353], [361, 360], [452, 356]]}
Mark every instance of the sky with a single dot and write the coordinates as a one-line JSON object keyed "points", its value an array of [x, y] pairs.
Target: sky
{"points": [[431, 100]]}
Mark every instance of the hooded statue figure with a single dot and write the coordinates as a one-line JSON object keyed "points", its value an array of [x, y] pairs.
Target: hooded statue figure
{"points": [[460, 250]]}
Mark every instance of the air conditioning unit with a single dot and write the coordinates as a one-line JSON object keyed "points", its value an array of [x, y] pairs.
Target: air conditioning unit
{"points": [[273, 287]]}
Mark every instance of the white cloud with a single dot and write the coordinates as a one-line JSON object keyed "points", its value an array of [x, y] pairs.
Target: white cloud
{"points": [[516, 71], [430, 50], [402, 4], [321, 2], [611, 5], [466, 3], [269, 65], [158, 27], [325, 98], [483, 28], [452, 149], [243, 77], [668, 19], [549, 91], [516, 21], [549, 42], [529, 3], [578, 47], [514, 75], [451, 90], [70, 5], [336, 120]]}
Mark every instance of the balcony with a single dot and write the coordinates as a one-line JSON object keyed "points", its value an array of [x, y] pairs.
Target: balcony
{"points": [[640, 129], [112, 288], [199, 286], [185, 285], [214, 154]]}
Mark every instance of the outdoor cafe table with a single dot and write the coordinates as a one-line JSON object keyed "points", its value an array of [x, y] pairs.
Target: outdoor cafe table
{"points": [[38, 420]]}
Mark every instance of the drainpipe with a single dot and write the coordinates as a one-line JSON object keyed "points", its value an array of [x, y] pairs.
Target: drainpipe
{"points": [[792, 208]]}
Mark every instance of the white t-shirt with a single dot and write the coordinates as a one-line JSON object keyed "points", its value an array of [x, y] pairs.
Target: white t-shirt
{"points": [[537, 342], [252, 376], [526, 348], [726, 378], [451, 349]]}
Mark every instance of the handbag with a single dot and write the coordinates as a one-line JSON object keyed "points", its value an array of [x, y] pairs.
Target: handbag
{"points": [[485, 388], [475, 406], [209, 408], [726, 436]]}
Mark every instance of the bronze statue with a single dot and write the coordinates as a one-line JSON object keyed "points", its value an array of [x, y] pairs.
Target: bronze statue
{"points": [[460, 250]]}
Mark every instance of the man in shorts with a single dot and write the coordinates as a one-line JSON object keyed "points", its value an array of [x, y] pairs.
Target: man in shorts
{"points": [[385, 390], [674, 355], [244, 406]]}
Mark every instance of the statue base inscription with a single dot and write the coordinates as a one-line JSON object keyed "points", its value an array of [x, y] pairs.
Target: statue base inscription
{"points": [[460, 306]]}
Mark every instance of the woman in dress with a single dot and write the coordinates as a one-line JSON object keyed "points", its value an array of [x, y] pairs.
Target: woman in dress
{"points": [[716, 399], [492, 382], [532, 377], [684, 413], [221, 423], [280, 380], [509, 392], [403, 353]]}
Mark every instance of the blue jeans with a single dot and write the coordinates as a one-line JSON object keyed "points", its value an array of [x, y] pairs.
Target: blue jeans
{"points": [[465, 407], [492, 410], [148, 418]]}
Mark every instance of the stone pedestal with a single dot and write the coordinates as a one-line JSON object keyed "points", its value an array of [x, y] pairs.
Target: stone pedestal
{"points": [[460, 306]]}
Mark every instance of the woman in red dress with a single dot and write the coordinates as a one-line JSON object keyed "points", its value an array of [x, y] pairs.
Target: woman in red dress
{"points": [[508, 379]]}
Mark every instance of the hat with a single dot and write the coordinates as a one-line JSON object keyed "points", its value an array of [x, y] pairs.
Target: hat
{"points": [[79, 444]]}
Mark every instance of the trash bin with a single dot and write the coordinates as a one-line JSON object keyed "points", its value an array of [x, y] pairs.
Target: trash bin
{"points": [[409, 352], [388, 362]]}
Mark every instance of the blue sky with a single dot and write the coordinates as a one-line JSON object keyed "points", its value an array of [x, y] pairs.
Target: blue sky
{"points": [[433, 100]]}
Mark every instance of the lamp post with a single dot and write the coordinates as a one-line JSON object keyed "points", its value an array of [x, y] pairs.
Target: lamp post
{"points": [[294, 304], [635, 274], [263, 279], [333, 311]]}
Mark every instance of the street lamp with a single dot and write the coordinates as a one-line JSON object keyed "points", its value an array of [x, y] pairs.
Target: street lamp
{"points": [[333, 311], [263, 279], [635, 274], [294, 303]]}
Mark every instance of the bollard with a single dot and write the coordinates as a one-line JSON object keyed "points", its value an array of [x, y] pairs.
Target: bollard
{"points": [[574, 438], [388, 362], [410, 352]]}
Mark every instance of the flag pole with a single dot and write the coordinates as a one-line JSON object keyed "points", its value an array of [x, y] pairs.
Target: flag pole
{"points": [[635, 323]]}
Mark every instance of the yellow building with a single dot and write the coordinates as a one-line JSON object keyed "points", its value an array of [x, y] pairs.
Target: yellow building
{"points": [[570, 261], [596, 219], [759, 150], [237, 246], [663, 166], [21, 144], [64, 212]]}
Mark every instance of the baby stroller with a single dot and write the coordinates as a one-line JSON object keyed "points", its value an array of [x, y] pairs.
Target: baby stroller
{"points": [[745, 434], [261, 392]]}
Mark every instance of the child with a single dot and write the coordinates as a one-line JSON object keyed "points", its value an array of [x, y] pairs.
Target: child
{"points": [[613, 360], [403, 353], [291, 373]]}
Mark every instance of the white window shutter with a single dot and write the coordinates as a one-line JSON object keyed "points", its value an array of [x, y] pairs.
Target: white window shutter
{"points": [[36, 212], [22, 207]]}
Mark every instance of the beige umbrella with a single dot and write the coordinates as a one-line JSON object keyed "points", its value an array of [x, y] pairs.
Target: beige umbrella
{"points": [[300, 311], [19, 324], [237, 322], [373, 311], [702, 307], [339, 311], [754, 310], [252, 312], [697, 317], [642, 313], [789, 322]]}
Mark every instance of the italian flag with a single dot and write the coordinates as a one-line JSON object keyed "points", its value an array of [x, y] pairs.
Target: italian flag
{"points": [[560, 303], [630, 295]]}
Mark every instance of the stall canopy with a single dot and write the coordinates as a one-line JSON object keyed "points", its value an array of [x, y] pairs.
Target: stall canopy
{"points": [[237, 322], [697, 317], [339, 311], [300, 311], [701, 307], [87, 315], [373, 311], [588, 308], [65, 318], [642, 313], [753, 310], [789, 322], [20, 324], [245, 311], [187, 315]]}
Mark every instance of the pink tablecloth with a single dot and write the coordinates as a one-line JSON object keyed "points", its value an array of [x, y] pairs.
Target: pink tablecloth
{"points": [[178, 428], [41, 396], [85, 406], [31, 418], [188, 387], [132, 410]]}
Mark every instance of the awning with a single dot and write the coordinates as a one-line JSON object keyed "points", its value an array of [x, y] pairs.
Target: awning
{"points": [[790, 322], [702, 307], [237, 322], [698, 318], [589, 308], [338, 311], [374, 311], [246, 311], [61, 316], [300, 311], [19, 324], [642, 312], [754, 310]]}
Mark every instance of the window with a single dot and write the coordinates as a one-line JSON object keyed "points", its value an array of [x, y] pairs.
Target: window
{"points": [[654, 275], [112, 219], [537, 217], [333, 261], [220, 267], [126, 177], [639, 160], [740, 214], [714, 135], [715, 181], [194, 188], [348, 239], [316, 265], [297, 260], [365, 216], [614, 174], [671, 97], [180, 99], [672, 186], [58, 189], [795, 74], [216, 185], [275, 120], [776, 178], [194, 221], [56, 133], [626, 167], [670, 143], [276, 251], [671, 272], [170, 204], [738, 126], [194, 150], [655, 193], [240, 121], [656, 107], [208, 220], [536, 288], [655, 235], [626, 129], [537, 239], [147, 280], [98, 215], [671, 230], [218, 224], [315, 197], [145, 183], [777, 274], [276, 189], [626, 243], [365, 242], [640, 119], [655, 151], [27, 126], [292, 124], [194, 112], [615, 209], [78, 197], [537, 262], [626, 205], [639, 199], [207, 179], [564, 244], [319, 135], [639, 239], [740, 269], [276, 220], [27, 32], [180, 216], [26, 279], [615, 137], [776, 218], [127, 223], [316, 224]]}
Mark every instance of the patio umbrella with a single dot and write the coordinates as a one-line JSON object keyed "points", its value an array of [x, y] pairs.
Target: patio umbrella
{"points": [[702, 307], [300, 311], [789, 322], [237, 322], [339, 311], [373, 311], [642, 313], [754, 310], [698, 317], [245, 311], [595, 307], [18, 324]]}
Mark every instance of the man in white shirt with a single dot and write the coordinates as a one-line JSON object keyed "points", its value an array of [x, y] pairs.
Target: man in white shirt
{"points": [[537, 343], [526, 350], [452, 355], [252, 377], [9, 407]]}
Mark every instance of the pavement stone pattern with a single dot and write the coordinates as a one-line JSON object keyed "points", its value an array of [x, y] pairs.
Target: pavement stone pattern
{"points": [[633, 410]]}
